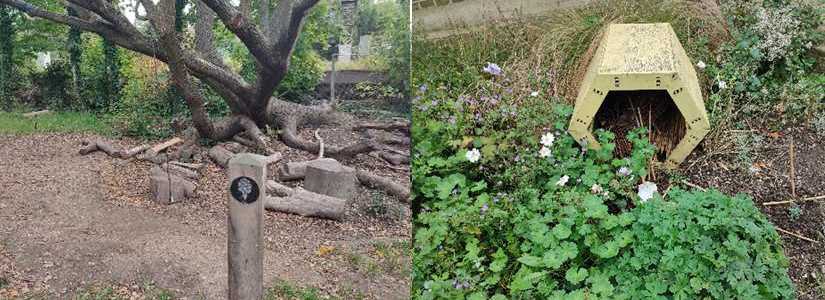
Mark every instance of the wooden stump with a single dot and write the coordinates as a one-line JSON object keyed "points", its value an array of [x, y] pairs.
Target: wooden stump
{"points": [[168, 188], [331, 178]]}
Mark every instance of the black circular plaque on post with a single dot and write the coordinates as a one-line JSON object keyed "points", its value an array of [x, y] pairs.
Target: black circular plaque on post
{"points": [[244, 189]]}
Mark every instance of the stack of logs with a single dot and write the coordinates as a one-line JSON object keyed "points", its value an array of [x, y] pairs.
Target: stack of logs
{"points": [[328, 185], [169, 181]]}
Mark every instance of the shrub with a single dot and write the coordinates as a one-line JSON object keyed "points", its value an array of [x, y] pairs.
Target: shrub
{"points": [[144, 107], [509, 206], [578, 229], [764, 70]]}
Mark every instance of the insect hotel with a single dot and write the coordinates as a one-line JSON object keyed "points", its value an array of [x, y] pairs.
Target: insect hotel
{"points": [[640, 76]]}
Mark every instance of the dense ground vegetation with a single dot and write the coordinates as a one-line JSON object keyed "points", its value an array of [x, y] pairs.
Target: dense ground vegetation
{"points": [[510, 207]]}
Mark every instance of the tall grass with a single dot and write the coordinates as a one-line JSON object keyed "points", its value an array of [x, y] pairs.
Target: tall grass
{"points": [[555, 49], [12, 123]]}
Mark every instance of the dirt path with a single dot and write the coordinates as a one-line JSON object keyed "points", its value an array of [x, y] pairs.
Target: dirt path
{"points": [[61, 233]]}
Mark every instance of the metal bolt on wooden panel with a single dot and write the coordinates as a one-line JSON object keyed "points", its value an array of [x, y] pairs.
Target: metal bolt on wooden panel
{"points": [[642, 57]]}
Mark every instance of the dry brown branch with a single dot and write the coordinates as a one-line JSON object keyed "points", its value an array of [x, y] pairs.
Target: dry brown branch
{"points": [[796, 235], [816, 198]]}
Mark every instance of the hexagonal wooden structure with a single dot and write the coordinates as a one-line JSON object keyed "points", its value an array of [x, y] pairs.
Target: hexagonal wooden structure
{"points": [[642, 57]]}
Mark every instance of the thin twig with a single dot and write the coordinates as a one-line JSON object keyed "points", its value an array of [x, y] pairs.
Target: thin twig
{"points": [[792, 201], [688, 183], [796, 235], [793, 170], [320, 144]]}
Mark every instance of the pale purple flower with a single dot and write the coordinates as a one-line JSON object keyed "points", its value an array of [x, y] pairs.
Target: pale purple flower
{"points": [[422, 88], [492, 69], [624, 171], [484, 208]]}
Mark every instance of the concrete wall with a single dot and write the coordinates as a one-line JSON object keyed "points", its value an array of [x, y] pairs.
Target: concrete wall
{"points": [[444, 17]]}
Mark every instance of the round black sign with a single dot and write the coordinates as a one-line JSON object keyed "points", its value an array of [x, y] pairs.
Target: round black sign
{"points": [[244, 189]]}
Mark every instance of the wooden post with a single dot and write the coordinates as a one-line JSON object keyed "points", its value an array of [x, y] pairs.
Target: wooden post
{"points": [[332, 80], [247, 191]]}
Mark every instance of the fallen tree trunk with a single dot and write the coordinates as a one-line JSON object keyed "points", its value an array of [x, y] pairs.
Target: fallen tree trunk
{"points": [[304, 203], [403, 126], [129, 153], [92, 146], [384, 184]]}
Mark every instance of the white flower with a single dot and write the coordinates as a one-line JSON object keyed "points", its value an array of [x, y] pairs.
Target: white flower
{"points": [[545, 152], [723, 85], [547, 139], [563, 180], [473, 155], [624, 171], [534, 94], [646, 190], [596, 188], [701, 65]]}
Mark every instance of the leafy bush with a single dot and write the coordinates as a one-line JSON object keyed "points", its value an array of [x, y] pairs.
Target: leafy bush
{"points": [[144, 108], [578, 229], [765, 70], [509, 206]]}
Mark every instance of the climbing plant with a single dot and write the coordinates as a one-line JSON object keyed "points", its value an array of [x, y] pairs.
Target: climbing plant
{"points": [[75, 49], [110, 81], [7, 33]]}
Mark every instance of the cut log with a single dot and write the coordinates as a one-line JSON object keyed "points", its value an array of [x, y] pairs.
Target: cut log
{"points": [[395, 158], [295, 170], [308, 204], [162, 146], [329, 177], [385, 184], [304, 203], [167, 188], [220, 155], [180, 171], [36, 113]]}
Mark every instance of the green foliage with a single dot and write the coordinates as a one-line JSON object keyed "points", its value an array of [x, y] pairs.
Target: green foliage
{"points": [[70, 122], [766, 69], [794, 211], [284, 290], [55, 84], [144, 107], [306, 65], [7, 42], [505, 212]]}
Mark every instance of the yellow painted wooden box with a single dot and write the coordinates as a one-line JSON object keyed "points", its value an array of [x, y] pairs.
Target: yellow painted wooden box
{"points": [[642, 58]]}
